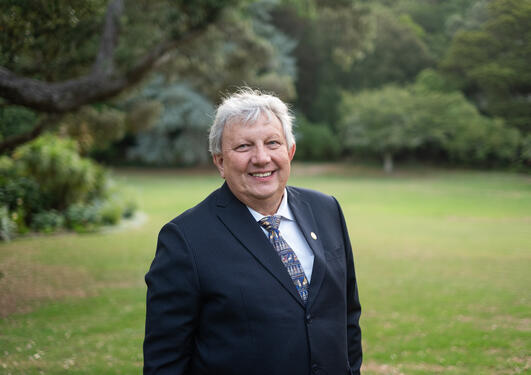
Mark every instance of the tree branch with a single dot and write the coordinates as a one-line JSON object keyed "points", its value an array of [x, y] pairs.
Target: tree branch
{"points": [[102, 83], [44, 123]]}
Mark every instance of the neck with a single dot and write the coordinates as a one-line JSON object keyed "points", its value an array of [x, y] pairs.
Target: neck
{"points": [[265, 208]]}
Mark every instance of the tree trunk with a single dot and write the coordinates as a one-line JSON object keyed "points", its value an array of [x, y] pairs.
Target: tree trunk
{"points": [[388, 162]]}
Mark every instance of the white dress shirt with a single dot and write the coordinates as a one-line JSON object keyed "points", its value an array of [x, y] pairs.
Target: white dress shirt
{"points": [[292, 234]]}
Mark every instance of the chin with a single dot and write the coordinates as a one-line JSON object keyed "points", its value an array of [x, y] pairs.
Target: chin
{"points": [[261, 194]]}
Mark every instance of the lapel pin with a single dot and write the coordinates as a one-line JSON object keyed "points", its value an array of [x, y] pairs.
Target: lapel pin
{"points": [[314, 236]]}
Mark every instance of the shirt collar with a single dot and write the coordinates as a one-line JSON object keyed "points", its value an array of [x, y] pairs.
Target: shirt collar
{"points": [[283, 209]]}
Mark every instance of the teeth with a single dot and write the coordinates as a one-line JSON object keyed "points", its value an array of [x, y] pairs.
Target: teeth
{"points": [[262, 174]]}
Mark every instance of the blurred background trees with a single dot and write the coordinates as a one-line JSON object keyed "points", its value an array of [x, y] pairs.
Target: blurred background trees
{"points": [[490, 62], [157, 69], [440, 81], [136, 82]]}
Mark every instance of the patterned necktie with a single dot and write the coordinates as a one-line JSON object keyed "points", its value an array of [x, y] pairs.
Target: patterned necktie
{"points": [[287, 255]]}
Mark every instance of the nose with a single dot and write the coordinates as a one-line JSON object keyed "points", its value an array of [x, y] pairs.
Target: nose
{"points": [[261, 155]]}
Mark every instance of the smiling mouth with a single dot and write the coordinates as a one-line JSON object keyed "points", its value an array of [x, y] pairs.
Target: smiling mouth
{"points": [[265, 174]]}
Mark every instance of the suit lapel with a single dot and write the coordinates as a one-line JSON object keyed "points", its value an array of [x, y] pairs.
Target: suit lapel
{"points": [[239, 221], [307, 223]]}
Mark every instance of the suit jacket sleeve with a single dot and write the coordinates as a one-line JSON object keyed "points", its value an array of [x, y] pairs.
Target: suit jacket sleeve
{"points": [[353, 305], [172, 305]]}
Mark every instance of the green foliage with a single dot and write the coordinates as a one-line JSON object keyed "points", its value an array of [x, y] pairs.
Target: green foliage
{"points": [[47, 221], [112, 210], [437, 20], [315, 141], [308, 52], [20, 194], [83, 217], [49, 39], [491, 63], [417, 119], [130, 206], [47, 185], [179, 136], [281, 61], [396, 52], [17, 190], [242, 48], [64, 177], [330, 41], [526, 150], [58, 41], [55, 40], [143, 115], [15, 120], [7, 226], [94, 127], [431, 80], [380, 121]]}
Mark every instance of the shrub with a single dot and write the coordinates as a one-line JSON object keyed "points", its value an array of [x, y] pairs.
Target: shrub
{"points": [[83, 217], [15, 120], [112, 210], [7, 226], [47, 221], [315, 141], [64, 177], [47, 185], [22, 192], [20, 195], [130, 207]]}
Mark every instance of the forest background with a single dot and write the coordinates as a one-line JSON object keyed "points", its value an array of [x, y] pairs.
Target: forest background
{"points": [[444, 82]]}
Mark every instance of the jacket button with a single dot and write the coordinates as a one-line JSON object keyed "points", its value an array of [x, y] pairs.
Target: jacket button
{"points": [[315, 367], [309, 318]]}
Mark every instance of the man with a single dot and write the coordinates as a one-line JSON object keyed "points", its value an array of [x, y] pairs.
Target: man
{"points": [[259, 277]]}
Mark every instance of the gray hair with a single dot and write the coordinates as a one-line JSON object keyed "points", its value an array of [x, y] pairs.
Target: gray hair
{"points": [[247, 106]]}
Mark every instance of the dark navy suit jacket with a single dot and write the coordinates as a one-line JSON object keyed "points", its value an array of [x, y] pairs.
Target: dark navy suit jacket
{"points": [[220, 301]]}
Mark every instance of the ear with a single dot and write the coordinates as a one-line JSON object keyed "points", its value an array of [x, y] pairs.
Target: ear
{"points": [[291, 153], [218, 162]]}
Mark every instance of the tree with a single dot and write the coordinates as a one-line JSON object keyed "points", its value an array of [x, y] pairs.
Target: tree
{"points": [[491, 63], [378, 121], [330, 37], [396, 52], [53, 62], [242, 48], [315, 141], [179, 135], [456, 129], [420, 119]]}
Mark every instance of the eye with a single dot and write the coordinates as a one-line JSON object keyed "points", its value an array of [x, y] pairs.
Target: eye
{"points": [[242, 147], [273, 143]]}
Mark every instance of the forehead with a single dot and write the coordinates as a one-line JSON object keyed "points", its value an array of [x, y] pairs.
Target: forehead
{"points": [[265, 124]]}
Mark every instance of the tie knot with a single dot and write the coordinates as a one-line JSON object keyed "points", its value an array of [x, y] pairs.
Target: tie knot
{"points": [[270, 223]]}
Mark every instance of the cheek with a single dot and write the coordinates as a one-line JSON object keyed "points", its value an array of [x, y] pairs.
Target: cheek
{"points": [[236, 165], [282, 159]]}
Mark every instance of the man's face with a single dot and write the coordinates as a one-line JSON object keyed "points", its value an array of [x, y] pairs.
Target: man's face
{"points": [[255, 162]]}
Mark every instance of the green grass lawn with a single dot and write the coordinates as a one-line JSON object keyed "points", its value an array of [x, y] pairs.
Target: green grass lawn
{"points": [[443, 260]]}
